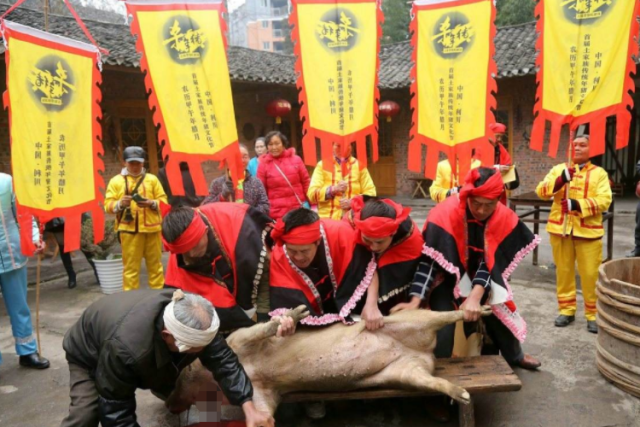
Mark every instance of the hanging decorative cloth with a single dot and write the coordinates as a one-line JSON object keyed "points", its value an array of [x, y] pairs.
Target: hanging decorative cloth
{"points": [[183, 48], [53, 101], [337, 44], [452, 82], [584, 66]]}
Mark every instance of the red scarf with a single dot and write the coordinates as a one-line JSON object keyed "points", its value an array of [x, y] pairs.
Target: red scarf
{"points": [[491, 189], [301, 235], [189, 237], [375, 226]]}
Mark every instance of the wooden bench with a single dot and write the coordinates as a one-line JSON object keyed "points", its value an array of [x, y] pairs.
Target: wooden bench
{"points": [[419, 182], [477, 375]]}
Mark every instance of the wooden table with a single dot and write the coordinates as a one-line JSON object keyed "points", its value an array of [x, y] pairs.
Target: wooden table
{"points": [[477, 375], [536, 205], [419, 182]]}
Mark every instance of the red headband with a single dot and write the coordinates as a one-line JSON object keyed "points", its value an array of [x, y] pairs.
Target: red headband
{"points": [[190, 237], [376, 226], [498, 128], [301, 235], [491, 189]]}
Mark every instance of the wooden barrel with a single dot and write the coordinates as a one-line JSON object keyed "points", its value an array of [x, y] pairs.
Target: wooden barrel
{"points": [[618, 352]]}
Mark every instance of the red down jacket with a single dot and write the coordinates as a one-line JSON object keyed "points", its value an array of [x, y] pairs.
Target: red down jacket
{"points": [[279, 192]]}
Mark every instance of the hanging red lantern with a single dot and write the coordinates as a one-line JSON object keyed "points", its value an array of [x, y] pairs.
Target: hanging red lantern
{"points": [[389, 109], [278, 108]]}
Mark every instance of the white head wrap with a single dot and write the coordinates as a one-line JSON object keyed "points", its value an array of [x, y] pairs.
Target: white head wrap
{"points": [[186, 337]]}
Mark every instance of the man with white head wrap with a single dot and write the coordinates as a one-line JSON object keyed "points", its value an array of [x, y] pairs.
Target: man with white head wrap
{"points": [[143, 341]]}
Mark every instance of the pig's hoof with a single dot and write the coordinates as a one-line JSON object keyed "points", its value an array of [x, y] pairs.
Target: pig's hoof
{"points": [[298, 313], [461, 395], [486, 310]]}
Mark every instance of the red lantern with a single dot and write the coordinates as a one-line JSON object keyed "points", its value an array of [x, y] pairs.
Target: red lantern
{"points": [[389, 109], [278, 108]]}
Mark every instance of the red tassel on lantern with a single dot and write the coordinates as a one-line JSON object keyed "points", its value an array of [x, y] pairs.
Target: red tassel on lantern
{"points": [[389, 109], [278, 108]]}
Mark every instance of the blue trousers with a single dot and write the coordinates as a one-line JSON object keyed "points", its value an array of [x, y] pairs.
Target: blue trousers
{"points": [[14, 292]]}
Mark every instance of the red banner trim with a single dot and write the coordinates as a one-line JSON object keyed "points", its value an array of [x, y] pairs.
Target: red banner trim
{"points": [[460, 153], [597, 119], [230, 154], [73, 214], [309, 133]]}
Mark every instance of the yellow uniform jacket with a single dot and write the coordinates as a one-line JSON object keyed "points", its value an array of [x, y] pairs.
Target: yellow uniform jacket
{"points": [[359, 183], [145, 220], [590, 187], [445, 180]]}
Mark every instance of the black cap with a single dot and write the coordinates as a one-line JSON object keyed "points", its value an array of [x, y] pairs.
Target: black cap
{"points": [[134, 154]]}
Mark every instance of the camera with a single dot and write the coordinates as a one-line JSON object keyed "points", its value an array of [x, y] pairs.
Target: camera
{"points": [[138, 198], [127, 215]]}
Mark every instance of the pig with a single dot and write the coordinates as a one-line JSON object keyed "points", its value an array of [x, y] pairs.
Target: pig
{"points": [[335, 358]]}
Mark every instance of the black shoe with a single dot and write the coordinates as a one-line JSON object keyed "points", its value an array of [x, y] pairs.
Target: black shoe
{"points": [[34, 361], [72, 283], [633, 253], [592, 326], [562, 320]]}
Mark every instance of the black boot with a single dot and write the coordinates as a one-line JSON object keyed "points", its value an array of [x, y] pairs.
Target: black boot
{"points": [[72, 280], [562, 320], [592, 326], [34, 361]]}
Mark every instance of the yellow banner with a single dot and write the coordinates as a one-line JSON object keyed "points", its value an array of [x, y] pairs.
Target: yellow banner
{"points": [[52, 101], [452, 81], [585, 54], [339, 54], [584, 66], [185, 53], [452, 66]]}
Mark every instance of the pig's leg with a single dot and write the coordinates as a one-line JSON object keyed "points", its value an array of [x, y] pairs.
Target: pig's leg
{"points": [[445, 318], [415, 373], [265, 400], [263, 330]]}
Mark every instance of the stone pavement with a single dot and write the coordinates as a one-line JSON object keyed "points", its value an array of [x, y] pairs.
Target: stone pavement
{"points": [[568, 390]]}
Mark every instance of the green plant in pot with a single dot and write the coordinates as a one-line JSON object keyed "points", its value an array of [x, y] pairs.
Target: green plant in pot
{"points": [[107, 263], [104, 249]]}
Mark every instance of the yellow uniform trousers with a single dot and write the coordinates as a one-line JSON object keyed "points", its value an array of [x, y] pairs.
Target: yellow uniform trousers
{"points": [[588, 254], [136, 246]]}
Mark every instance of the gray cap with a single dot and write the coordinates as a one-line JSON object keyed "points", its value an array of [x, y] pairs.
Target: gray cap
{"points": [[134, 154]]}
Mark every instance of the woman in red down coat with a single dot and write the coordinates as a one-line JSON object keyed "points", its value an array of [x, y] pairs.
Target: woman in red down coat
{"points": [[285, 194]]}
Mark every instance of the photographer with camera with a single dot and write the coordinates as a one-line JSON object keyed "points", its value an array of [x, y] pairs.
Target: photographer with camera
{"points": [[134, 196]]}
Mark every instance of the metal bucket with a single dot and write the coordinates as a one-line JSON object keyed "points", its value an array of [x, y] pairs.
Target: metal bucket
{"points": [[618, 348]]}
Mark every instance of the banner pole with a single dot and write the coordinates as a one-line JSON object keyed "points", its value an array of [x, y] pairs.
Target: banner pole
{"points": [[46, 15], [565, 223], [38, 302]]}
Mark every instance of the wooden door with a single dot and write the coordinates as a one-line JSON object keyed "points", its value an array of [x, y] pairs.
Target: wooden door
{"points": [[383, 172], [134, 126]]}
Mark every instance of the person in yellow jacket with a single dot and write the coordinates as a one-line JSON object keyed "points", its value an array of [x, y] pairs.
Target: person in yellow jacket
{"points": [[134, 196], [446, 183], [581, 239], [333, 191]]}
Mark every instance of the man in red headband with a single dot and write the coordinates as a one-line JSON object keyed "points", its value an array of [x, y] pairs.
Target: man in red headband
{"points": [[502, 159], [472, 245], [218, 251], [312, 263], [385, 229]]}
